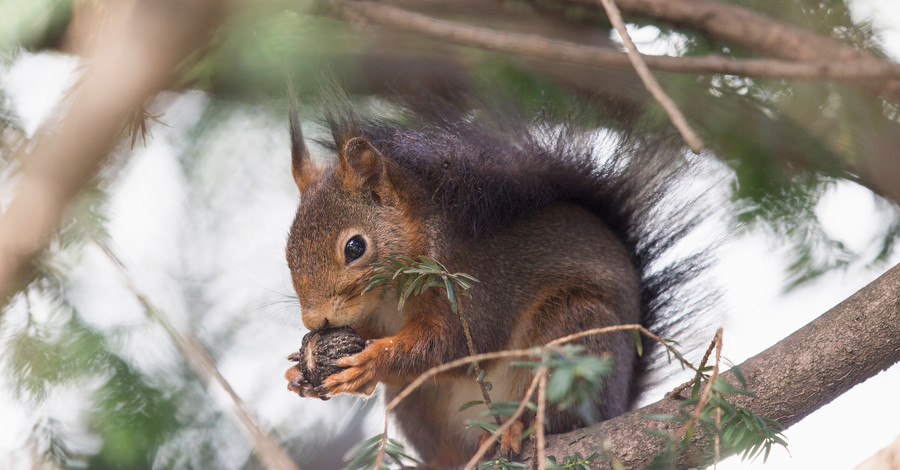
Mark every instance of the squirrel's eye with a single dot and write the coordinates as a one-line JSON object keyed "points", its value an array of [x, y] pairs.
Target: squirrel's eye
{"points": [[354, 248]]}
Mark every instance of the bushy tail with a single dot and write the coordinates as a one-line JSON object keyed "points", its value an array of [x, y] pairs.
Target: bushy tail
{"points": [[487, 165]]}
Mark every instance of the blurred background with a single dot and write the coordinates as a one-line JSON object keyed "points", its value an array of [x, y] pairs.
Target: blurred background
{"points": [[196, 198]]}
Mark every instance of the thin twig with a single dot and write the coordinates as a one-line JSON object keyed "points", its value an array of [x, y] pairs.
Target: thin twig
{"points": [[705, 394], [614, 328], [541, 373], [677, 391], [678, 120], [433, 372], [204, 366], [539, 424], [477, 369], [535, 351]]}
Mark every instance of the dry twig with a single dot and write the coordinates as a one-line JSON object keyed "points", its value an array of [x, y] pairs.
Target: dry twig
{"points": [[204, 366], [535, 351], [677, 391], [704, 395], [678, 120], [539, 423], [540, 374]]}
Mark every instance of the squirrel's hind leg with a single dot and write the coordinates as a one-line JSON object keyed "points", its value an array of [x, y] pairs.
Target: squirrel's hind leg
{"points": [[575, 310]]}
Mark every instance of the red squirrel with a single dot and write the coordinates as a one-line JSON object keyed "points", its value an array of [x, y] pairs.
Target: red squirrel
{"points": [[560, 239]]}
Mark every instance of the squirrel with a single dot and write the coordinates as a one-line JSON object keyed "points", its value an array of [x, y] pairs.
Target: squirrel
{"points": [[561, 238]]}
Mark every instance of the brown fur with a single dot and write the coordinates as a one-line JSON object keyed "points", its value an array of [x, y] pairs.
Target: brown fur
{"points": [[552, 262]]}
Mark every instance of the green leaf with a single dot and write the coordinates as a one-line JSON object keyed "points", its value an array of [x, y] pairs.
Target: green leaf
{"points": [[737, 373], [451, 295], [470, 404], [489, 427]]}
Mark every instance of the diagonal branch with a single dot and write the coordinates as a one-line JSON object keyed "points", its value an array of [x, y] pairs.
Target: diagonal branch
{"points": [[204, 367], [845, 346], [752, 30], [678, 120], [133, 58]]}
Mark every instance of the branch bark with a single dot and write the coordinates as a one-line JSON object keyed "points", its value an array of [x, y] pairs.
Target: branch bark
{"points": [[845, 346]]}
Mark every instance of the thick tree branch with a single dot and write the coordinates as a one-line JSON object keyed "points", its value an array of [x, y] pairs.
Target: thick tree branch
{"points": [[848, 344]]}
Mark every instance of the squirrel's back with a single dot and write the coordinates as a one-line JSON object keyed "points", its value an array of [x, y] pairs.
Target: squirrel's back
{"points": [[481, 169]]}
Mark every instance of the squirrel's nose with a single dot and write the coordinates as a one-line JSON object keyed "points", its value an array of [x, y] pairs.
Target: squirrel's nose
{"points": [[314, 320]]}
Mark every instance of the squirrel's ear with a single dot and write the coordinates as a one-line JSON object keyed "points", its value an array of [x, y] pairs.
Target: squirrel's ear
{"points": [[361, 165], [304, 170]]}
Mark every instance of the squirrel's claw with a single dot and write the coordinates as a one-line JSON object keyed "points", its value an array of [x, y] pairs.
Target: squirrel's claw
{"points": [[510, 440], [361, 371], [298, 384], [296, 356]]}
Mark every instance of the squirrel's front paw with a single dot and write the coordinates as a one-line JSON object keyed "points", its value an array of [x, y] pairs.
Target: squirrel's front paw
{"points": [[361, 373], [298, 384]]}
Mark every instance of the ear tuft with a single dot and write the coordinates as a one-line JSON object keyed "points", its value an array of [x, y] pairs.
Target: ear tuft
{"points": [[361, 164], [302, 167]]}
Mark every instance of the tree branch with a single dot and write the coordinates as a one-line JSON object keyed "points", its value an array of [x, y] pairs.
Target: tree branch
{"points": [[876, 168], [675, 116], [817, 69], [756, 32], [845, 346]]}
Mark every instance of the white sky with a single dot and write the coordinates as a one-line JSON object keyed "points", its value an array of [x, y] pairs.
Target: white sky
{"points": [[149, 201]]}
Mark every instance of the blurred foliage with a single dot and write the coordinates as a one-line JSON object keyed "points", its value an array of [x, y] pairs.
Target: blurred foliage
{"points": [[35, 23], [787, 143]]}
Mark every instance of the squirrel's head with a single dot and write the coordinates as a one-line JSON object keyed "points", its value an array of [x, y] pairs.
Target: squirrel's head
{"points": [[351, 216]]}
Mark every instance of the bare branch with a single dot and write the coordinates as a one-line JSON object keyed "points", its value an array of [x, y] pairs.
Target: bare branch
{"points": [[540, 416], [539, 376], [739, 25], [756, 32], [705, 394], [678, 120], [816, 69], [535, 351]]}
